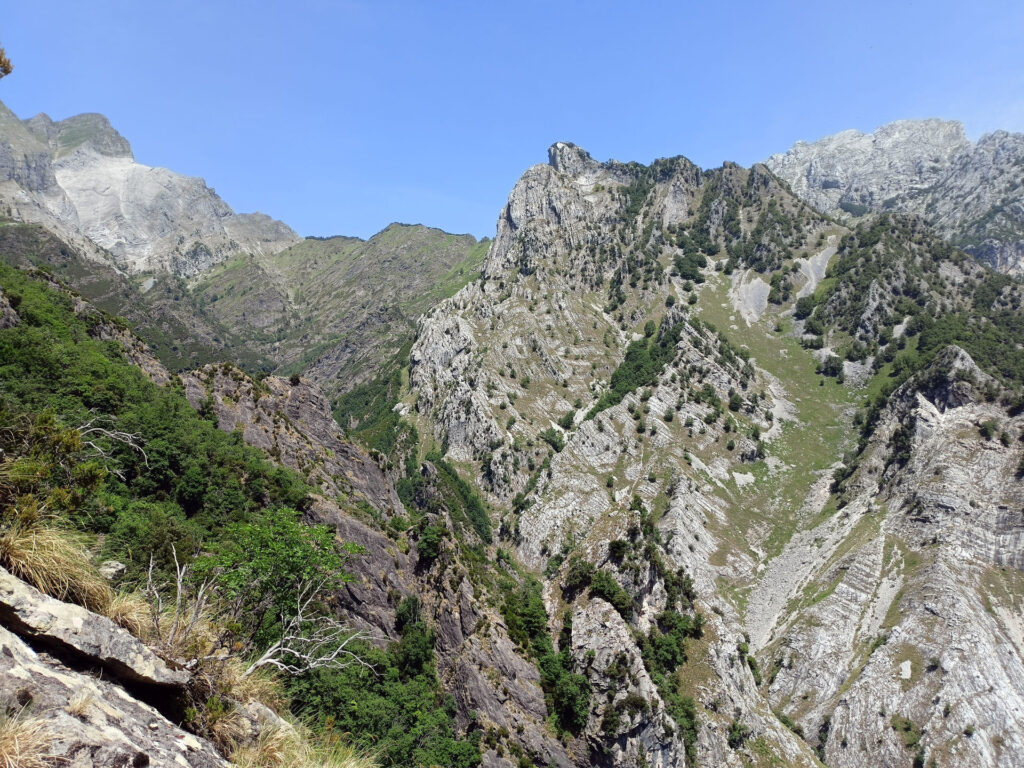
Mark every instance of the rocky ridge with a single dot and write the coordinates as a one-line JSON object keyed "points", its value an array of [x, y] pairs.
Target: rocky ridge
{"points": [[505, 358], [831, 611], [78, 177], [968, 191]]}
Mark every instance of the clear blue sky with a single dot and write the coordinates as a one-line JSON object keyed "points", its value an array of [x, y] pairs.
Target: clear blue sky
{"points": [[340, 117]]}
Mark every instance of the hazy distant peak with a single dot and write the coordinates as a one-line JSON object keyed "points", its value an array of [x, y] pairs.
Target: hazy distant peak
{"points": [[968, 191], [90, 130]]}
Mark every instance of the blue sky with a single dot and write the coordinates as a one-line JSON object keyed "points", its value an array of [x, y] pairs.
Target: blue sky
{"points": [[340, 117]]}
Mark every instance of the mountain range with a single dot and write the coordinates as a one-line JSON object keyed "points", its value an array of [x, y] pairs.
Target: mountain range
{"points": [[685, 467]]}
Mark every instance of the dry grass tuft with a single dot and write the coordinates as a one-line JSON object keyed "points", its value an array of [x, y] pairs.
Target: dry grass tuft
{"points": [[80, 704], [131, 611], [54, 561], [275, 748], [25, 742], [290, 747], [262, 685], [228, 729]]}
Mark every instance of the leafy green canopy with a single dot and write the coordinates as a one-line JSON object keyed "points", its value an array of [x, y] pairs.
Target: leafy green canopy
{"points": [[192, 479], [394, 704], [566, 692], [641, 366]]}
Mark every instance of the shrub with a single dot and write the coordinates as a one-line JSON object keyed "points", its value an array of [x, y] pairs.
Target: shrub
{"points": [[429, 545], [553, 438], [604, 585], [618, 548]]}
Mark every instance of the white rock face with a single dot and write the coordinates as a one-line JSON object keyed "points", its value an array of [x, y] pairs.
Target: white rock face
{"points": [[860, 620], [78, 177], [969, 191], [509, 356]]}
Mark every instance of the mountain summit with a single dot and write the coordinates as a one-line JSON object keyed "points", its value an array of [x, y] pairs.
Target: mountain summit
{"points": [[79, 178], [969, 191]]}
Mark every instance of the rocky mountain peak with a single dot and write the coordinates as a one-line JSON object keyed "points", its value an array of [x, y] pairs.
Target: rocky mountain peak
{"points": [[78, 178], [968, 191], [90, 130], [567, 158]]}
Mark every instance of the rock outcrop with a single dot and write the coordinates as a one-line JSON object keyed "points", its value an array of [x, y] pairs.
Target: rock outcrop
{"points": [[82, 635], [101, 698], [969, 191], [78, 177], [910, 624], [292, 423]]}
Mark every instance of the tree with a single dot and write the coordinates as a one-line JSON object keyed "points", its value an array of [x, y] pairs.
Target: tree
{"points": [[5, 64], [267, 582]]}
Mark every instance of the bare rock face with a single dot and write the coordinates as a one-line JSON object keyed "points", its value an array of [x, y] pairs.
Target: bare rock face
{"points": [[73, 630], [294, 425], [912, 642], [91, 721], [494, 685], [969, 191], [8, 317], [102, 697], [79, 178]]}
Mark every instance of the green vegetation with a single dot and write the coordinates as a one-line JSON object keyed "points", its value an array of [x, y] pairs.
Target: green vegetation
{"points": [[392, 702], [567, 693], [92, 448], [641, 366], [454, 494]]}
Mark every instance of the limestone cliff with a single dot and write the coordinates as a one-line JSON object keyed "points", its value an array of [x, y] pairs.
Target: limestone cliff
{"points": [[633, 380], [969, 191], [78, 177]]}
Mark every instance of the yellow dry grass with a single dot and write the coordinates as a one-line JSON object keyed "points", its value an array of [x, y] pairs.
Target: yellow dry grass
{"points": [[80, 704], [54, 561], [262, 685], [25, 742], [291, 747], [131, 611]]}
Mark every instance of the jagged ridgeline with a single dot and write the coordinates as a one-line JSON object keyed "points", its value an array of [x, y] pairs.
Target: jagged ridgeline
{"points": [[672, 376], [675, 471]]}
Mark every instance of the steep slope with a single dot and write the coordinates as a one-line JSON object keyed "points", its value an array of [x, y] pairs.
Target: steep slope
{"points": [[969, 191], [161, 310], [339, 309], [78, 177], [202, 284], [423, 593], [646, 454]]}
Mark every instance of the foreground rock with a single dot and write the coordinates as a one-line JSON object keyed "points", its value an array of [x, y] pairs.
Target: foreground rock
{"points": [[82, 636], [102, 696]]}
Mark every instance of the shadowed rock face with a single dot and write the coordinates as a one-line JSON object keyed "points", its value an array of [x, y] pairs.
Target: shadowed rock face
{"points": [[969, 191], [293, 424]]}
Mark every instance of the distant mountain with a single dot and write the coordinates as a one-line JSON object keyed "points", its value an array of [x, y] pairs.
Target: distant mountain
{"points": [[339, 309], [78, 177], [970, 192], [204, 284]]}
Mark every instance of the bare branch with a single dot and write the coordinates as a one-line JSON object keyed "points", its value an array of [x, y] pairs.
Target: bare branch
{"points": [[308, 643], [131, 439]]}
